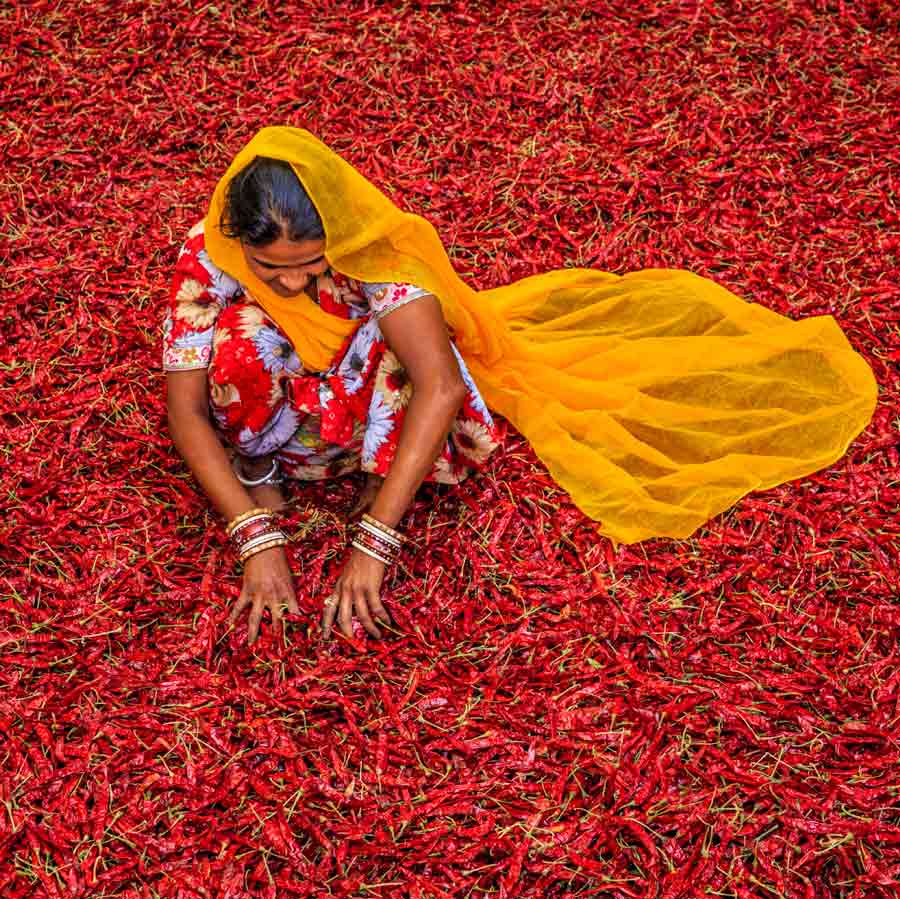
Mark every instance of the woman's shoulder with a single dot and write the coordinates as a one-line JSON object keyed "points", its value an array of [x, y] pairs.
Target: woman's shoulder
{"points": [[350, 298], [385, 297], [194, 261], [194, 243]]}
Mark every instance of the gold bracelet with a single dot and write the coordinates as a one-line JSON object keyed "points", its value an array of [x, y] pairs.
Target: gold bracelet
{"points": [[269, 544], [243, 517], [382, 526], [371, 552]]}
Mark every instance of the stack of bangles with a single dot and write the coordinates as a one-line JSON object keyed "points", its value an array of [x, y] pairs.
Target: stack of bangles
{"points": [[255, 531], [377, 540]]}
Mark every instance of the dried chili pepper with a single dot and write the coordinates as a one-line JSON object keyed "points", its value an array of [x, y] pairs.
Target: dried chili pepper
{"points": [[556, 715]]}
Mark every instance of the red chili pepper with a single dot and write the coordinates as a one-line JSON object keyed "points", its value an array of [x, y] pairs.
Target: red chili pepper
{"points": [[716, 711]]}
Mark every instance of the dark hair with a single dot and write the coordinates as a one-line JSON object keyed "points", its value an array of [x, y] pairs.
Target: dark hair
{"points": [[266, 201]]}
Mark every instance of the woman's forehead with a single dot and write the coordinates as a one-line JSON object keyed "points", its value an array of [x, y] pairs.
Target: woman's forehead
{"points": [[288, 252]]}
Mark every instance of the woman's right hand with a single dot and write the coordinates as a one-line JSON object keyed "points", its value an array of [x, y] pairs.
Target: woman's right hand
{"points": [[267, 584]]}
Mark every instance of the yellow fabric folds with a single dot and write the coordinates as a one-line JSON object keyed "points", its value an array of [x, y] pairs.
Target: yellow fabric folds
{"points": [[656, 399]]}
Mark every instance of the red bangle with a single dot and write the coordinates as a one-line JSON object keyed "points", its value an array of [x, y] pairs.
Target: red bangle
{"points": [[254, 529], [363, 539]]}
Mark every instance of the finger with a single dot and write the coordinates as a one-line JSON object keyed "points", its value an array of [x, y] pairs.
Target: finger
{"points": [[292, 604], [277, 607], [254, 620], [345, 613], [362, 609], [379, 611], [240, 604], [328, 613]]}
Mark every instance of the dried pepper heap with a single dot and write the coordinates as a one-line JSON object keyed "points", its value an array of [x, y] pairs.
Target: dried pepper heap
{"points": [[553, 717]]}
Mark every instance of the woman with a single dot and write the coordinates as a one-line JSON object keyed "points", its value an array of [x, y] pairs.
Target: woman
{"points": [[387, 403], [310, 316]]}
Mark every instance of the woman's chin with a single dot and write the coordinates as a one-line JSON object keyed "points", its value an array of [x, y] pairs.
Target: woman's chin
{"points": [[291, 294]]}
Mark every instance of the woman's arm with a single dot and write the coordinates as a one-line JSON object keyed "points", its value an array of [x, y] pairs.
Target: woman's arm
{"points": [[417, 334], [195, 439], [267, 577], [418, 337]]}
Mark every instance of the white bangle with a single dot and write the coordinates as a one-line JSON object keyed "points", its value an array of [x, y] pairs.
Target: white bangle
{"points": [[371, 552], [271, 544], [380, 534], [263, 538], [268, 478]]}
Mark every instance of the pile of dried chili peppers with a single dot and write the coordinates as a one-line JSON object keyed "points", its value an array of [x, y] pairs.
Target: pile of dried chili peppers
{"points": [[552, 717]]}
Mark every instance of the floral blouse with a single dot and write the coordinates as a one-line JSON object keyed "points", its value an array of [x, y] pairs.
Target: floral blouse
{"points": [[200, 291]]}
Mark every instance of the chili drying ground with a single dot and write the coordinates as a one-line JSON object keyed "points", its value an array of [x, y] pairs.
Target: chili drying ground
{"points": [[556, 718]]}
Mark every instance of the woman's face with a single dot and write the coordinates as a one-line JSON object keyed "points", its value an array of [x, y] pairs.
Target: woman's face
{"points": [[287, 266]]}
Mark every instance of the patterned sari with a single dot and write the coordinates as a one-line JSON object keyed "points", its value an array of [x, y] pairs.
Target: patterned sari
{"points": [[319, 424]]}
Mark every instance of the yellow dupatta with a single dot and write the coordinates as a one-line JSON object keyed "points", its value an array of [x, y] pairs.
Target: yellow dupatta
{"points": [[657, 398]]}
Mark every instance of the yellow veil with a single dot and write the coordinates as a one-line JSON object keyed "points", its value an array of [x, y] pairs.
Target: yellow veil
{"points": [[656, 399]]}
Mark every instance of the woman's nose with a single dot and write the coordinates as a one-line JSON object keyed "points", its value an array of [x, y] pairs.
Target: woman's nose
{"points": [[295, 280]]}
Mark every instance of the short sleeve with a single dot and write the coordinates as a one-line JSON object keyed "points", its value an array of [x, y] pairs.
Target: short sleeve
{"points": [[385, 298], [198, 293]]}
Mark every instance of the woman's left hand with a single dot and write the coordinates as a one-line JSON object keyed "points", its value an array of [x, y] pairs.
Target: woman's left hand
{"points": [[357, 589]]}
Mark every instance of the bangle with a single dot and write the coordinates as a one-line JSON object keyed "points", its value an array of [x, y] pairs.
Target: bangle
{"points": [[273, 534], [269, 478], [258, 548], [253, 528], [383, 527], [246, 516], [247, 556], [378, 534], [392, 550], [371, 552], [377, 545]]}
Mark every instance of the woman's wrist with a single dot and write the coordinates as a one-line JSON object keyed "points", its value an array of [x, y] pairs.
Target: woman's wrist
{"points": [[265, 556], [253, 532], [373, 538], [366, 559]]}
